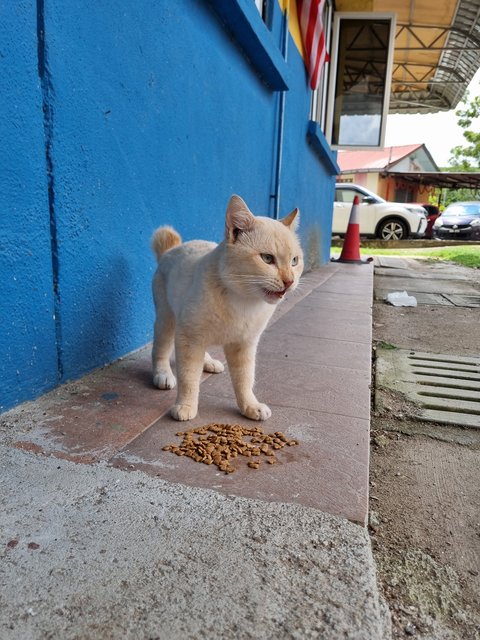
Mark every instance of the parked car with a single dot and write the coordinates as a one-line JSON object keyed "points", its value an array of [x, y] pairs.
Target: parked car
{"points": [[378, 218], [459, 221]]}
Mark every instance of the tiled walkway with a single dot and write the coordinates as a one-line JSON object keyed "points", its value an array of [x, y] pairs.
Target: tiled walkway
{"points": [[313, 370]]}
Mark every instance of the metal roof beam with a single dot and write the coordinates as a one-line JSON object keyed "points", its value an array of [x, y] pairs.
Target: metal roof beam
{"points": [[466, 33]]}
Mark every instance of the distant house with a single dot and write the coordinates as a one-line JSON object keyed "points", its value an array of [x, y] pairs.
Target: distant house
{"points": [[372, 169]]}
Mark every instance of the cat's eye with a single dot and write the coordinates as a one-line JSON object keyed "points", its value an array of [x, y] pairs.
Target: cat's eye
{"points": [[295, 261], [268, 258]]}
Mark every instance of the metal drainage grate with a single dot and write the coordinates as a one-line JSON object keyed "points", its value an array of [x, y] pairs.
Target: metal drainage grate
{"points": [[445, 387]]}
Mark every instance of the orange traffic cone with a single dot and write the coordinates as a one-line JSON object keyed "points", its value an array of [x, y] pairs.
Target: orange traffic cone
{"points": [[351, 244]]}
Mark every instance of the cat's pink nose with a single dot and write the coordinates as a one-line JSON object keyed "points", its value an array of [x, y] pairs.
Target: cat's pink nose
{"points": [[287, 283]]}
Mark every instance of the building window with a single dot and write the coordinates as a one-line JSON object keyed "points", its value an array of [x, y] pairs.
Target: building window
{"points": [[260, 6], [360, 77], [263, 7]]}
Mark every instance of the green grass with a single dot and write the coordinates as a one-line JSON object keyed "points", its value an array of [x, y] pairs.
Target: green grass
{"points": [[386, 345], [468, 256]]}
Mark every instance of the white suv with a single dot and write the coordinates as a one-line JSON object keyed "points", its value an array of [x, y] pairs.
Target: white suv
{"points": [[378, 218]]}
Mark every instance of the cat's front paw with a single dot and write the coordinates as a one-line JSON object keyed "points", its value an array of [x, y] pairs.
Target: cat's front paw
{"points": [[257, 411], [183, 412], [164, 380]]}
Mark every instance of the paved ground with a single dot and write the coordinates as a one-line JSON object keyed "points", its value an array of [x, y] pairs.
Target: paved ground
{"points": [[425, 473], [105, 535]]}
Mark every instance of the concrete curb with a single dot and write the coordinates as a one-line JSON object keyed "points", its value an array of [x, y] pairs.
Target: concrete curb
{"points": [[94, 552]]}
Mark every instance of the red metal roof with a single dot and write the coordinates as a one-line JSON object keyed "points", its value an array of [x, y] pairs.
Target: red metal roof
{"points": [[374, 160]]}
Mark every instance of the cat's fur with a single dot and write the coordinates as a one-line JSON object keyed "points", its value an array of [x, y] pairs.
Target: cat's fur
{"points": [[207, 294]]}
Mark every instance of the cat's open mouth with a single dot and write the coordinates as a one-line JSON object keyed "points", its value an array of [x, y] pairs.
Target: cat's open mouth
{"points": [[274, 295]]}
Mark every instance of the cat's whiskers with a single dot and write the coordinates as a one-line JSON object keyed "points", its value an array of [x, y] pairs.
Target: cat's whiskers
{"points": [[300, 286], [269, 283], [297, 291], [247, 280]]}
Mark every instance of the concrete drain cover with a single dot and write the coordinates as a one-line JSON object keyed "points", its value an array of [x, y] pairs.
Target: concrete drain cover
{"points": [[422, 298], [446, 388], [463, 301]]}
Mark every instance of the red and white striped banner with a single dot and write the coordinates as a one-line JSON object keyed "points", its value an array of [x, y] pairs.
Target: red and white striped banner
{"points": [[310, 15]]}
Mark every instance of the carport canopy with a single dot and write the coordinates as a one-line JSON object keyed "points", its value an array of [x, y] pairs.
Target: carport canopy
{"points": [[440, 179], [437, 52]]}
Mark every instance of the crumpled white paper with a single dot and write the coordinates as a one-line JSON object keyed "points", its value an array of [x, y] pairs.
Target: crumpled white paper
{"points": [[401, 299]]}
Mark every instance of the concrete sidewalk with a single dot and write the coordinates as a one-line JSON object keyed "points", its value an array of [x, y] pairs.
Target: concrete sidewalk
{"points": [[177, 549]]}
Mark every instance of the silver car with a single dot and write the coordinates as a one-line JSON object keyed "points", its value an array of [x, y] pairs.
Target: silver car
{"points": [[378, 218]]}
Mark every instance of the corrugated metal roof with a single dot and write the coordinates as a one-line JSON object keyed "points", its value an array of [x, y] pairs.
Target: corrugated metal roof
{"points": [[374, 160], [437, 53]]}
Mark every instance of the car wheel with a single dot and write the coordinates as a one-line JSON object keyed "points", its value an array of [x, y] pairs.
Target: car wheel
{"points": [[393, 229]]}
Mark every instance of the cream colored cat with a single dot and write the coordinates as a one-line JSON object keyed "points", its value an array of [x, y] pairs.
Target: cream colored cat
{"points": [[207, 294]]}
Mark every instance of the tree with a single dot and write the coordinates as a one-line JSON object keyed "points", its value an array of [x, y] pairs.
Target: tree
{"points": [[467, 158]]}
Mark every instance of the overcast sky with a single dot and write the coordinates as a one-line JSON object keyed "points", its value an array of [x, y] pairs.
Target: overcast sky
{"points": [[438, 131]]}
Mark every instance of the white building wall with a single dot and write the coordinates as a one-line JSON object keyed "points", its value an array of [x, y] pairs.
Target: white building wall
{"points": [[416, 161]]}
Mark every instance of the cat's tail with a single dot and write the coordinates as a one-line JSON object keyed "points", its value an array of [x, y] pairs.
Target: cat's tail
{"points": [[164, 239]]}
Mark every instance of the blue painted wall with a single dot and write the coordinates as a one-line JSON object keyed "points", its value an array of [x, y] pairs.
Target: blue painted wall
{"points": [[153, 114], [28, 355]]}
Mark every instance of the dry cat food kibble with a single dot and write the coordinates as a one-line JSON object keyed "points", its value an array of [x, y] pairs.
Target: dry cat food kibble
{"points": [[219, 444]]}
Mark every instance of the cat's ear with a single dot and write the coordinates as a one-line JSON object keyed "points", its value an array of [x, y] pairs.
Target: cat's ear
{"points": [[238, 218], [291, 221]]}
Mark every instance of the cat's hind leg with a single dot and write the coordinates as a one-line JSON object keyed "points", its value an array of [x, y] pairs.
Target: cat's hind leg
{"points": [[211, 365], [163, 340]]}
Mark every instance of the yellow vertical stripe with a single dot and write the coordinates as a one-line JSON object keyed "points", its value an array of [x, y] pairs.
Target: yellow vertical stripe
{"points": [[293, 23]]}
